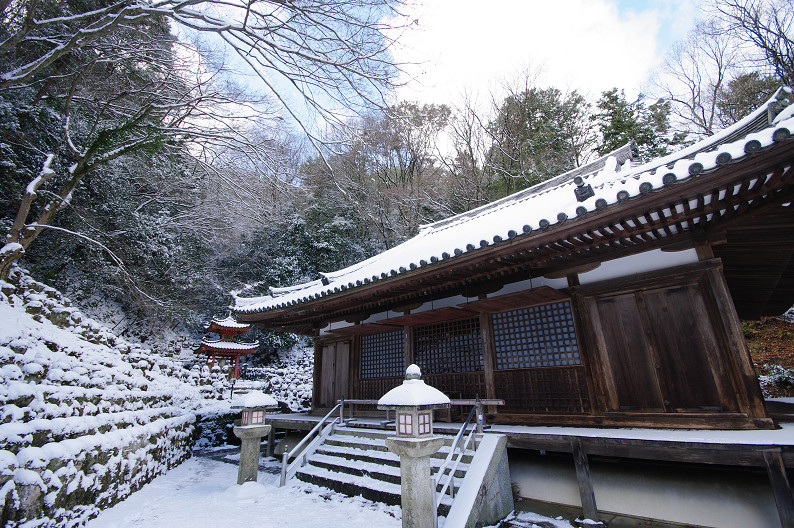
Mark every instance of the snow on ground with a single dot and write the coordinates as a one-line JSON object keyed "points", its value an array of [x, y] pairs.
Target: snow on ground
{"points": [[784, 435], [202, 493]]}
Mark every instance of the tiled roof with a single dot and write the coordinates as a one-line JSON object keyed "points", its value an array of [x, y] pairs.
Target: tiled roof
{"points": [[613, 179], [230, 322], [229, 345]]}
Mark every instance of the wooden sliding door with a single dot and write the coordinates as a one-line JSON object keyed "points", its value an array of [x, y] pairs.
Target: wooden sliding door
{"points": [[334, 374]]}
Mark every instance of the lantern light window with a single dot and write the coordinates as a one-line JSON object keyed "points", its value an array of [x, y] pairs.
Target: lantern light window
{"points": [[405, 424], [424, 424]]}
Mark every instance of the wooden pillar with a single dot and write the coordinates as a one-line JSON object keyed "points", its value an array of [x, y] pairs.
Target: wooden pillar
{"points": [[488, 358], [585, 483], [354, 372], [318, 365], [271, 439], [704, 251], [737, 349], [408, 345], [781, 488], [236, 367]]}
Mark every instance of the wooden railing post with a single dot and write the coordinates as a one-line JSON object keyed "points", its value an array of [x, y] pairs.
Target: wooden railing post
{"points": [[480, 417]]}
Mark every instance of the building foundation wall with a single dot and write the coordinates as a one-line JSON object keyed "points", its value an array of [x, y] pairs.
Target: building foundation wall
{"points": [[718, 496]]}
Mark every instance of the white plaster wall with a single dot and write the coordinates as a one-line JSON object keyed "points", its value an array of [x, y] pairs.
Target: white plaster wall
{"points": [[529, 284], [643, 262], [714, 497]]}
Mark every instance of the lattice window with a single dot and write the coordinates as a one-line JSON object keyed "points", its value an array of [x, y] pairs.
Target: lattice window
{"points": [[549, 390], [382, 355], [538, 336], [451, 346]]}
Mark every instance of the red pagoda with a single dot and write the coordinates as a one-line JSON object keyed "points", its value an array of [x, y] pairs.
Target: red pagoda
{"points": [[226, 347]]}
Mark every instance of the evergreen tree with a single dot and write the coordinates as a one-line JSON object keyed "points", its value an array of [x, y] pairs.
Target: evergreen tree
{"points": [[620, 121], [537, 134], [743, 95]]}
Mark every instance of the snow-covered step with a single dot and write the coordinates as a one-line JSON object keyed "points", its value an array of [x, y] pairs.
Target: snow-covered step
{"points": [[352, 443], [357, 462], [383, 458], [359, 467], [352, 485]]}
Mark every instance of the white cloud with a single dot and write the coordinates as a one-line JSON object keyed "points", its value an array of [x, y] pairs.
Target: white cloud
{"points": [[587, 45]]}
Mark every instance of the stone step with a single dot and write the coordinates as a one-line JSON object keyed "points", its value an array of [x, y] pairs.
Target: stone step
{"points": [[354, 444], [358, 463], [371, 466], [387, 458], [359, 486], [375, 470], [377, 434]]}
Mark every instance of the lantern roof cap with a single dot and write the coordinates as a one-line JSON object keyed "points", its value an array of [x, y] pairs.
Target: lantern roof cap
{"points": [[414, 393], [254, 400]]}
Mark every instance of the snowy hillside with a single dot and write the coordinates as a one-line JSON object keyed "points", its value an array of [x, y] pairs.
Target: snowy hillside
{"points": [[86, 418], [289, 379]]}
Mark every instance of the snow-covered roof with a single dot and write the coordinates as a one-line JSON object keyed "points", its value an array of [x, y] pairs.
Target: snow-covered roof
{"points": [[230, 322], [413, 392], [254, 399], [614, 181], [221, 344]]}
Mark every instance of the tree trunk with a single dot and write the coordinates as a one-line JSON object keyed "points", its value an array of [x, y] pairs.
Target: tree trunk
{"points": [[9, 253], [20, 236]]}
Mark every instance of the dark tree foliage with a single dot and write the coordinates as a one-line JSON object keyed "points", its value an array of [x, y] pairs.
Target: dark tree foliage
{"points": [[537, 134], [620, 121], [743, 95], [388, 174], [28, 129]]}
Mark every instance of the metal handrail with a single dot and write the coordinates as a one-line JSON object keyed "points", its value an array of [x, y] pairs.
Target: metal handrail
{"points": [[456, 444], [287, 469]]}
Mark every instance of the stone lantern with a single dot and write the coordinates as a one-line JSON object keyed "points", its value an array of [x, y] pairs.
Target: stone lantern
{"points": [[250, 431], [414, 402]]}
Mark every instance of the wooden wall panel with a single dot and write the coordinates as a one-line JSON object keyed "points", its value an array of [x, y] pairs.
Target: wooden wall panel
{"points": [[334, 374], [458, 385], [626, 355], [660, 347], [373, 389], [542, 390], [690, 371], [327, 377]]}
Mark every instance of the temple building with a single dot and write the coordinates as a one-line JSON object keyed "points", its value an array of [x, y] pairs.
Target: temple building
{"points": [[226, 347], [609, 295], [604, 308]]}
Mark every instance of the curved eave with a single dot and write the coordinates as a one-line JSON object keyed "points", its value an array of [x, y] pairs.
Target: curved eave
{"points": [[677, 212], [204, 349], [227, 330]]}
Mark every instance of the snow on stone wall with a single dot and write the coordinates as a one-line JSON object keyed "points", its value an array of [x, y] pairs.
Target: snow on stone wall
{"points": [[85, 417]]}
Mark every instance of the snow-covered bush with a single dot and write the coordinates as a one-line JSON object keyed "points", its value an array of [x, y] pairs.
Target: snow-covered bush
{"points": [[288, 381], [214, 428], [776, 378]]}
